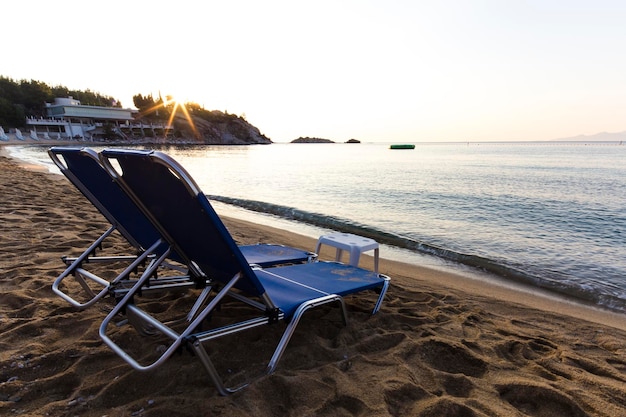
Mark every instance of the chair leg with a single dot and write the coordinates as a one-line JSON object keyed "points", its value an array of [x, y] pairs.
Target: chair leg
{"points": [[201, 353], [291, 327], [383, 291], [215, 378], [150, 323], [72, 269], [206, 291]]}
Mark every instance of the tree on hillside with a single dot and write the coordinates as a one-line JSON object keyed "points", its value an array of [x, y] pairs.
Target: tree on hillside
{"points": [[89, 98], [143, 103], [35, 94], [11, 109], [11, 115], [213, 116], [150, 108], [28, 98], [10, 90]]}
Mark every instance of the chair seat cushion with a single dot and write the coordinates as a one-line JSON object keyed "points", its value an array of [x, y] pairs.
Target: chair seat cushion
{"points": [[290, 286]]}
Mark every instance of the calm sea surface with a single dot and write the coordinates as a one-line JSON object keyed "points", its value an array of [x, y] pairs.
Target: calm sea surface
{"points": [[552, 215]]}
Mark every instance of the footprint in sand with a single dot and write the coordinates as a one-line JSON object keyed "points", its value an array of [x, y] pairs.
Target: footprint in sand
{"points": [[471, 326], [457, 385], [352, 405], [449, 357], [401, 400], [380, 342], [521, 351], [596, 367], [447, 407], [539, 400]]}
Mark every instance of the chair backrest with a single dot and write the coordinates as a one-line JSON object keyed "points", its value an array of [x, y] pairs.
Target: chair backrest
{"points": [[181, 212], [83, 168]]}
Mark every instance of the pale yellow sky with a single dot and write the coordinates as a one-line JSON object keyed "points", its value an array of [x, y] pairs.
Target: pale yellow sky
{"points": [[446, 70]]}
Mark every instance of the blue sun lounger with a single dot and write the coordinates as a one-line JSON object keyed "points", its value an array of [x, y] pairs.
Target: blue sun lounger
{"points": [[184, 217], [83, 169]]}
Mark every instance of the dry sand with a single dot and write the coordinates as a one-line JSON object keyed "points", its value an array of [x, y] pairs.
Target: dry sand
{"points": [[442, 345]]}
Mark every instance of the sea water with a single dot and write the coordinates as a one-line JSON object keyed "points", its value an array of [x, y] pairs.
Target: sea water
{"points": [[551, 215]]}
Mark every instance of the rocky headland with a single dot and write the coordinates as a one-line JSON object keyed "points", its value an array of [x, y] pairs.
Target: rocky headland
{"points": [[222, 129]]}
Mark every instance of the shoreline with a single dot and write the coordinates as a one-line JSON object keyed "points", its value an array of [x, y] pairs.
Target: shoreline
{"points": [[414, 276], [442, 343], [478, 283]]}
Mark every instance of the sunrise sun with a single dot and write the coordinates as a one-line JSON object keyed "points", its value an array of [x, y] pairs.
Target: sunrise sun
{"points": [[174, 105]]}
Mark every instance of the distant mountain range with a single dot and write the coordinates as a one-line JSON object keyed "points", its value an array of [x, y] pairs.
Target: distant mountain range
{"points": [[598, 137]]}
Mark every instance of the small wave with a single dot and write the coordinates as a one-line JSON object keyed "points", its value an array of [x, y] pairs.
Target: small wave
{"points": [[562, 286]]}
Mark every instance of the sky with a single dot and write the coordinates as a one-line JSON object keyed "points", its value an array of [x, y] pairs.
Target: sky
{"points": [[376, 71]]}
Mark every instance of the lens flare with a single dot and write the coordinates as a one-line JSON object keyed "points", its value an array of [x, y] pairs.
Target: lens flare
{"points": [[173, 105]]}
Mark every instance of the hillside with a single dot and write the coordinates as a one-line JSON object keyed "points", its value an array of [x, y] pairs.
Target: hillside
{"points": [[23, 100], [598, 137], [222, 129]]}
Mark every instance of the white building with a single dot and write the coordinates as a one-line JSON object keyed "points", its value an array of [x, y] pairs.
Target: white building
{"points": [[66, 118]]}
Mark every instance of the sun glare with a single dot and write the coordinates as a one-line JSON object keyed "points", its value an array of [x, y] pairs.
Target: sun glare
{"points": [[174, 105]]}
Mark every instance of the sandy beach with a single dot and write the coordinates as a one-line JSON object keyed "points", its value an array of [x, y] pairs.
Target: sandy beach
{"points": [[442, 344]]}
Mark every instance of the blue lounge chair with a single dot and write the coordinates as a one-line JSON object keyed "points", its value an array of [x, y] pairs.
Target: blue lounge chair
{"points": [[83, 168], [183, 215]]}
